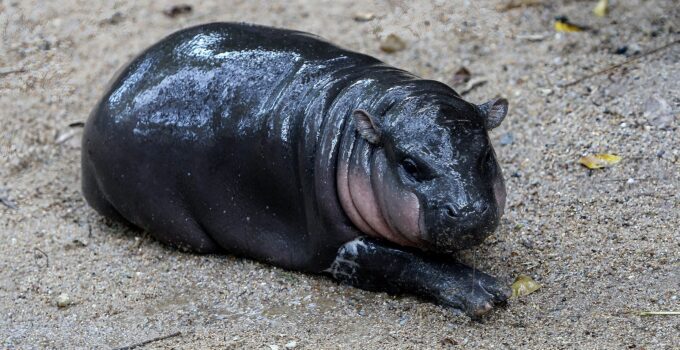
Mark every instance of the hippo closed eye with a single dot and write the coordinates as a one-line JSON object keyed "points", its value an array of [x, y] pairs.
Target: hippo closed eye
{"points": [[276, 145]]}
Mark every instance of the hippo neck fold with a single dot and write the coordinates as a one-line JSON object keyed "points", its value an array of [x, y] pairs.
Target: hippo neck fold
{"points": [[374, 206], [368, 192]]}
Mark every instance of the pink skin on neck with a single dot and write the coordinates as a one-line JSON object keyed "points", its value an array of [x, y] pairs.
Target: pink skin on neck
{"points": [[347, 202], [374, 207]]}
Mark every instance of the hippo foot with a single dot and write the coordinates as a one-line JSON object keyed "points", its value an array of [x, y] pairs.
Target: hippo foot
{"points": [[374, 265], [472, 292]]}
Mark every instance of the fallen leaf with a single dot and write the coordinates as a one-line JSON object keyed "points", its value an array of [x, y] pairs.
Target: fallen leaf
{"points": [[562, 24], [600, 9], [176, 10], [599, 161], [461, 76], [523, 285], [392, 43], [449, 341]]}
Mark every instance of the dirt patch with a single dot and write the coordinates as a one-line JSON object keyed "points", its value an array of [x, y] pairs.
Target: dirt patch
{"points": [[603, 244]]}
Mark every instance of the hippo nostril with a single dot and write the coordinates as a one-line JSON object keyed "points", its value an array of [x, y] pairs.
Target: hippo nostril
{"points": [[478, 208], [451, 211]]}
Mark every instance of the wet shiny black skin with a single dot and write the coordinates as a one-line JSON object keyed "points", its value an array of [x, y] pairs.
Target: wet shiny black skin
{"points": [[213, 110], [225, 137]]}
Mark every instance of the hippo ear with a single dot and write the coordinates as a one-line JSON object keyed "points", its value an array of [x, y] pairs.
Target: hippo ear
{"points": [[367, 126], [494, 112]]}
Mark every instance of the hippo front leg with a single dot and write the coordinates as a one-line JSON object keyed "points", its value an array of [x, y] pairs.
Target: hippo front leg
{"points": [[372, 265]]}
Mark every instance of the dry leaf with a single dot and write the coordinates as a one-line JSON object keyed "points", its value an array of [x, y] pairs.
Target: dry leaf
{"points": [[599, 161], [523, 285], [600, 9], [562, 24], [176, 10], [392, 43], [461, 76]]}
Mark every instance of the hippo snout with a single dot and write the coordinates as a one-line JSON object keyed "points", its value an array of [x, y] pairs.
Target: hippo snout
{"points": [[457, 227]]}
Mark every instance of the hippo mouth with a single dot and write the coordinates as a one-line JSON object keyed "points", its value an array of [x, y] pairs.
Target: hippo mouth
{"points": [[375, 203]]}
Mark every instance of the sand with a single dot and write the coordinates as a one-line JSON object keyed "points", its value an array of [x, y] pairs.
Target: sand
{"points": [[603, 244]]}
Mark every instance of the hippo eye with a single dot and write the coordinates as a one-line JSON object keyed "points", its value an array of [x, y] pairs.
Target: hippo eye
{"points": [[411, 168]]}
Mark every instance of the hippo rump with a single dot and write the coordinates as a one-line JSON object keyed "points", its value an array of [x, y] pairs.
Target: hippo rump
{"points": [[276, 145]]}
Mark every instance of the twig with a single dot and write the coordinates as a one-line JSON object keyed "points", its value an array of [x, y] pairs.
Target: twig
{"points": [[631, 178], [35, 257], [134, 346], [656, 195], [472, 84], [511, 5], [65, 137], [658, 313], [615, 66], [532, 37], [8, 71]]}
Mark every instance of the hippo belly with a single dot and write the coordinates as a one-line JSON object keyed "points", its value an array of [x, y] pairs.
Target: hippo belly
{"points": [[279, 146]]}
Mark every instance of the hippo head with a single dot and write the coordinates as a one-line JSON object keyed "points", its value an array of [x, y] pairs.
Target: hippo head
{"points": [[434, 179]]}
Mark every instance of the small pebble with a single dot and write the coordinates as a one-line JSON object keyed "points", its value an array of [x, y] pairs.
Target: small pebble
{"points": [[621, 50], [403, 320], [63, 300], [507, 139], [115, 18], [634, 49], [527, 243], [363, 16], [658, 112], [291, 345], [546, 92]]}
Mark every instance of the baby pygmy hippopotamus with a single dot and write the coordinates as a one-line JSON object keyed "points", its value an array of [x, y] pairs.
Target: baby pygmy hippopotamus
{"points": [[276, 145]]}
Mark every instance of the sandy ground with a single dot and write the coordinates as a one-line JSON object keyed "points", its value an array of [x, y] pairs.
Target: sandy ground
{"points": [[604, 244]]}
